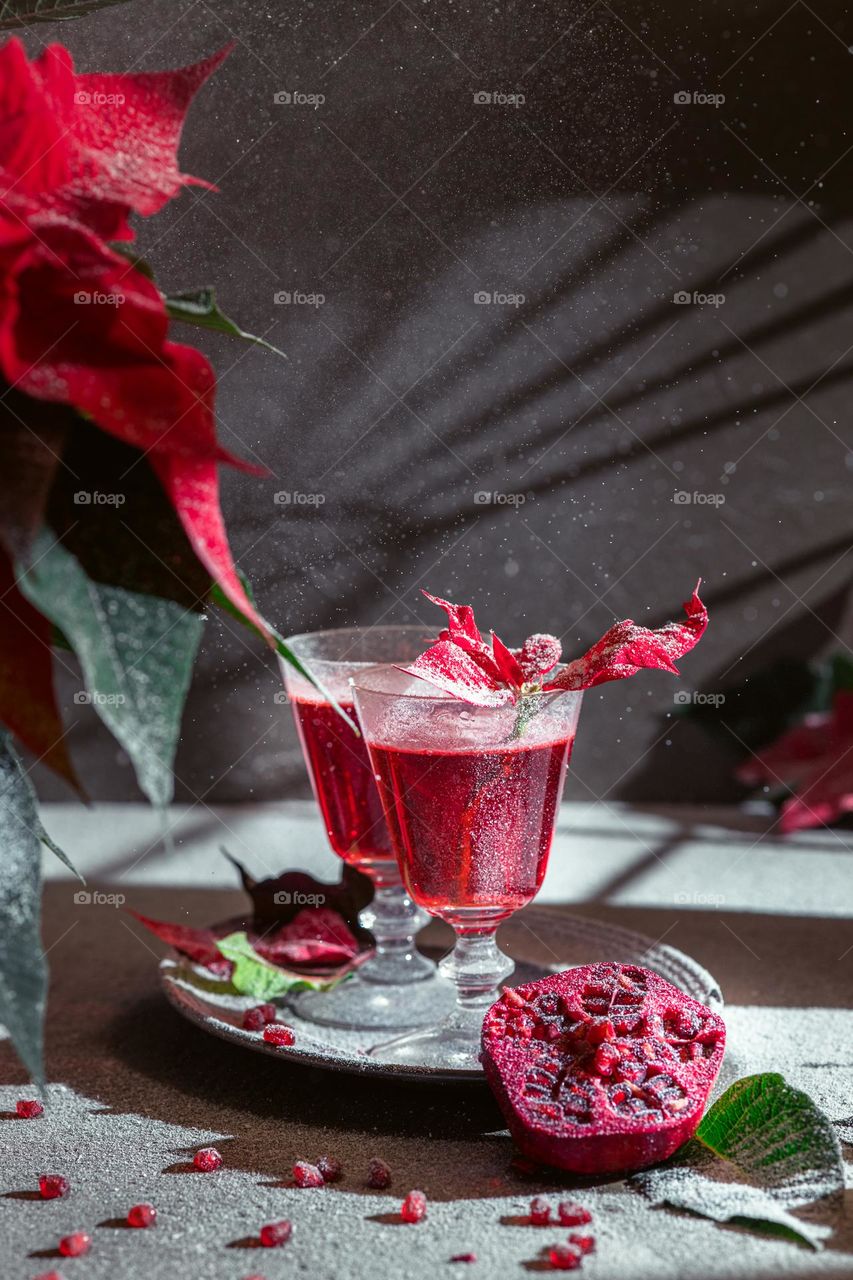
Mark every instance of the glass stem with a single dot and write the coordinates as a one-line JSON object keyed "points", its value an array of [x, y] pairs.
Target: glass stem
{"points": [[394, 920], [477, 966]]}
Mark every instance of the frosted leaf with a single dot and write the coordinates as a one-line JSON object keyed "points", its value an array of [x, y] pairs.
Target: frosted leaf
{"points": [[136, 652]]}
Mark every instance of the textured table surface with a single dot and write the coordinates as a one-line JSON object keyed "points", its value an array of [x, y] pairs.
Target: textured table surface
{"points": [[136, 1090]]}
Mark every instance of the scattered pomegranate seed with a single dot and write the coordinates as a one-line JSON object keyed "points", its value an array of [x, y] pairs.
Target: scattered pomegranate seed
{"points": [[586, 1244], [269, 1011], [564, 1257], [52, 1186], [331, 1169], [540, 1212], [279, 1033], [307, 1175], [378, 1174], [464, 1257], [29, 1108], [75, 1245], [49, 1275], [142, 1215], [253, 1020], [572, 1214], [208, 1160], [276, 1233], [414, 1207]]}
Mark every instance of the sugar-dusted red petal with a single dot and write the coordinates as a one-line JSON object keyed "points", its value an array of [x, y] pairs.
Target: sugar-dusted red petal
{"points": [[628, 648], [192, 486], [460, 618], [538, 655], [451, 669], [507, 664], [27, 699]]}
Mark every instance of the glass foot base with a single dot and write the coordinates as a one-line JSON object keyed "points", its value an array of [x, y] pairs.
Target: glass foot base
{"points": [[359, 1004], [454, 1043]]}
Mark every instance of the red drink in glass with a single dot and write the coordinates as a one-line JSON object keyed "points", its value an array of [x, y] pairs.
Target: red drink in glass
{"points": [[343, 782], [473, 828]]}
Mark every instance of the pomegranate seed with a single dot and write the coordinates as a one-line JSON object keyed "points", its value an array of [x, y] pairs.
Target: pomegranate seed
{"points": [[464, 1257], [75, 1245], [414, 1207], [49, 1275], [606, 1058], [378, 1174], [331, 1169], [276, 1233], [253, 1020], [208, 1160], [586, 1244], [279, 1033], [307, 1175], [540, 1212], [572, 1214], [28, 1108], [52, 1186], [269, 1011], [564, 1257], [142, 1215]]}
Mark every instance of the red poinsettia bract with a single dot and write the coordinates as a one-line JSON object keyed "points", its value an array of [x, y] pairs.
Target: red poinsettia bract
{"points": [[80, 324], [488, 674], [815, 759]]}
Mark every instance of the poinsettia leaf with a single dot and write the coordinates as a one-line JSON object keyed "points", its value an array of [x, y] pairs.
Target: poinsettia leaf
{"points": [[32, 436], [21, 13], [763, 1150], [136, 652], [27, 698], [199, 307], [256, 977], [110, 511], [23, 970]]}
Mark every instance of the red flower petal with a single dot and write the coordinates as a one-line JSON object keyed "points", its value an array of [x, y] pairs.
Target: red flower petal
{"points": [[198, 945], [315, 936], [538, 655], [27, 698], [35, 98], [508, 666], [628, 648], [460, 618], [450, 668], [193, 489]]}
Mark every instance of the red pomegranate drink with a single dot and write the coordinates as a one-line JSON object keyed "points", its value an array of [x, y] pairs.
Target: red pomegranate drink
{"points": [[473, 828], [342, 778]]}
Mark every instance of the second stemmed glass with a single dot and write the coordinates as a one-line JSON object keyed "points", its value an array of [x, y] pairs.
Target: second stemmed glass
{"points": [[471, 797], [397, 986]]}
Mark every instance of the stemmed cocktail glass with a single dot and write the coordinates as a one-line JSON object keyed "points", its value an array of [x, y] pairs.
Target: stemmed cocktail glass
{"points": [[471, 797], [396, 987]]}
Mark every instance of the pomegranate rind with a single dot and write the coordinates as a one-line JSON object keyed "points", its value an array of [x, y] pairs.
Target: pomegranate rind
{"points": [[573, 1107]]}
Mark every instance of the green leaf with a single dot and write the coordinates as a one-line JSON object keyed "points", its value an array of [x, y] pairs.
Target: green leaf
{"points": [[256, 977], [136, 652], [20, 13], [763, 1150], [199, 307], [23, 970], [219, 597]]}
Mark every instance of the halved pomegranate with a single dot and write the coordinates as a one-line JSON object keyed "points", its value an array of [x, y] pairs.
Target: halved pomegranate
{"points": [[603, 1068]]}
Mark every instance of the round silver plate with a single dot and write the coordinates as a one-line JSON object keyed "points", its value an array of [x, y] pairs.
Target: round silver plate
{"points": [[540, 940]]}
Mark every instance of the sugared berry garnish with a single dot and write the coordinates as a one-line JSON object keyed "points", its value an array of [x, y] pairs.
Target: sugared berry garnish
{"points": [[331, 1169], [572, 1214], [378, 1174], [414, 1207], [586, 1244], [540, 1211], [276, 1233], [564, 1257], [254, 1020], [208, 1160], [142, 1215], [279, 1033], [464, 1257], [75, 1245], [307, 1175], [52, 1186], [29, 1108]]}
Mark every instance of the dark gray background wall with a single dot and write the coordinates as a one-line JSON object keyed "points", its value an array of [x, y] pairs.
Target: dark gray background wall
{"points": [[591, 403]]}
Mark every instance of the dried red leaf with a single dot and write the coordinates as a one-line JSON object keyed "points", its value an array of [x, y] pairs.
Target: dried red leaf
{"points": [[315, 936]]}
